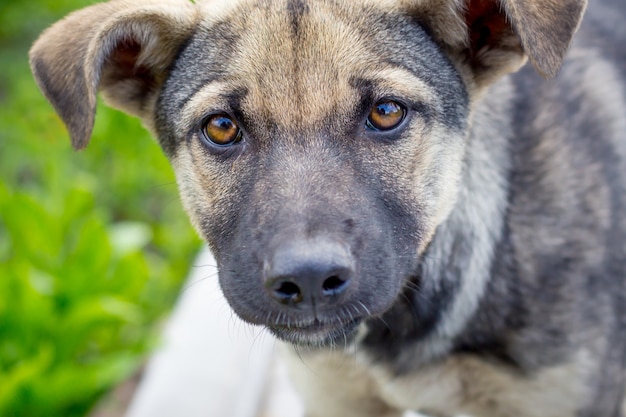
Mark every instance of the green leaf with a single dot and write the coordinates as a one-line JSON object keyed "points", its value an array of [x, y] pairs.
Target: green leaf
{"points": [[16, 381], [33, 230]]}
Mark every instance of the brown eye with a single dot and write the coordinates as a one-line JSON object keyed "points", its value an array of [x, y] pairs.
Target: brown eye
{"points": [[221, 130], [386, 115]]}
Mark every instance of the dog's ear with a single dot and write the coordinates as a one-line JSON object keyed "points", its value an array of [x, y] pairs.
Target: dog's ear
{"points": [[123, 48], [495, 36], [545, 28]]}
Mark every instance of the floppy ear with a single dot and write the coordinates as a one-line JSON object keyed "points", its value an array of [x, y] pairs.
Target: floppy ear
{"points": [[495, 36], [123, 48], [545, 28]]}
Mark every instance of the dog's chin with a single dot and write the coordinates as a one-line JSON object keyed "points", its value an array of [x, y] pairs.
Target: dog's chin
{"points": [[318, 334]]}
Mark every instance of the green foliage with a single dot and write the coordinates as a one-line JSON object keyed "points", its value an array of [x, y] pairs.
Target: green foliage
{"points": [[93, 245]]}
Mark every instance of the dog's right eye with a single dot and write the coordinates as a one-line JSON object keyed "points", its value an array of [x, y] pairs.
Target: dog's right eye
{"points": [[221, 130]]}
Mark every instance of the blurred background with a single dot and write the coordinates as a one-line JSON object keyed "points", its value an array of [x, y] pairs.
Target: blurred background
{"points": [[94, 246]]}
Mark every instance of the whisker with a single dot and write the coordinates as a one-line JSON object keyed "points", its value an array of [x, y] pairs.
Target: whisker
{"points": [[192, 284], [369, 313]]}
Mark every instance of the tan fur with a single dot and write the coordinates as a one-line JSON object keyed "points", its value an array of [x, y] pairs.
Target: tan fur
{"points": [[460, 384], [320, 90], [466, 384], [317, 377]]}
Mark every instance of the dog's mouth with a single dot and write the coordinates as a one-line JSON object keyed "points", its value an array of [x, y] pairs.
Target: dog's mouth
{"points": [[318, 333]]}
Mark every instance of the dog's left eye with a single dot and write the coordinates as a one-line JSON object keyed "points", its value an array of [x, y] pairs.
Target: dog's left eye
{"points": [[386, 115], [221, 130]]}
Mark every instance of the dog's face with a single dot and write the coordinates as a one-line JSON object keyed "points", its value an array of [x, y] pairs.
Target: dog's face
{"points": [[317, 144], [316, 154]]}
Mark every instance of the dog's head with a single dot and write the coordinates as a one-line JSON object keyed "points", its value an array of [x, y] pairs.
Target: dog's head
{"points": [[318, 144]]}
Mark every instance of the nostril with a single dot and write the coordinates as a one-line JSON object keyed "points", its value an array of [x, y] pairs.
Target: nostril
{"points": [[334, 285], [287, 291]]}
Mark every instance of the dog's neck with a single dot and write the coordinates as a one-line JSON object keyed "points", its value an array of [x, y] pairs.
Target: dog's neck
{"points": [[456, 267]]}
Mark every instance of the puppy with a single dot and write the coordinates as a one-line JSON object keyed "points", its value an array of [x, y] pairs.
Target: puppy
{"points": [[388, 187]]}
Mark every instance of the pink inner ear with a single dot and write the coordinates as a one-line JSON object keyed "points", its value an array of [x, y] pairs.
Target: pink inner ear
{"points": [[486, 22], [126, 53], [123, 61], [122, 65]]}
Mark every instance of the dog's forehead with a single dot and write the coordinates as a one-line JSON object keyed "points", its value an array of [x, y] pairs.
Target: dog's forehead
{"points": [[297, 59]]}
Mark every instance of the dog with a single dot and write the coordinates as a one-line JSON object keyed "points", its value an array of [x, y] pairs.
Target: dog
{"points": [[425, 199]]}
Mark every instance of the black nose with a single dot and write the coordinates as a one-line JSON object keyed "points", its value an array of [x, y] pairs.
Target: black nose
{"points": [[309, 273]]}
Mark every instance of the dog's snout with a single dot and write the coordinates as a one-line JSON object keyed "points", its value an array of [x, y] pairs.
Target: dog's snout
{"points": [[309, 273]]}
